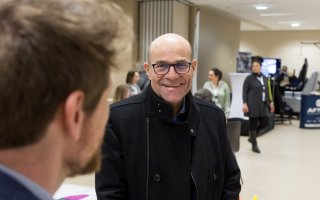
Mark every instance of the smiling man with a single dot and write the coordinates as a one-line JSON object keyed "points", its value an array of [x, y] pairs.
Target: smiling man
{"points": [[164, 143], [171, 76]]}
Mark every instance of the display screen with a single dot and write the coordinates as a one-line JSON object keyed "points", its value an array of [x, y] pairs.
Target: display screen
{"points": [[270, 66]]}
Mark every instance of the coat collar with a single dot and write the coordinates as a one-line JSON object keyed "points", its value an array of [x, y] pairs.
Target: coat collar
{"points": [[156, 107]]}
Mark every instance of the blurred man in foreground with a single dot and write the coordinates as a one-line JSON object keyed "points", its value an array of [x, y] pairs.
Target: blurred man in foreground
{"points": [[55, 62]]}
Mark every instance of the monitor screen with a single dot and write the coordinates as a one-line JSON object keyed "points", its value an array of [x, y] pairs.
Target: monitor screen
{"points": [[270, 66]]}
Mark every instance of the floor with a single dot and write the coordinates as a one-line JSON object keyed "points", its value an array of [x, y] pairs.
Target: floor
{"points": [[287, 169]]}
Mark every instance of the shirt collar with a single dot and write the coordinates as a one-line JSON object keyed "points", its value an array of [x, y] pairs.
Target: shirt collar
{"points": [[27, 183], [179, 117], [158, 108], [162, 109]]}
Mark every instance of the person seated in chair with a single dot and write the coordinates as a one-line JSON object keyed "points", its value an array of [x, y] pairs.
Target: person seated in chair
{"points": [[283, 79]]}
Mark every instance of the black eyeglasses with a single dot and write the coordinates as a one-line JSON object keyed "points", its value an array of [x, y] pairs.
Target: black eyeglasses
{"points": [[163, 68]]}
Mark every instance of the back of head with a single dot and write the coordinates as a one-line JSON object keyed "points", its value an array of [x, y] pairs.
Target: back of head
{"points": [[204, 94], [49, 49], [121, 92]]}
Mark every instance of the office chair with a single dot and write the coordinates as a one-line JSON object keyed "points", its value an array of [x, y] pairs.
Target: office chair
{"points": [[297, 84], [283, 112]]}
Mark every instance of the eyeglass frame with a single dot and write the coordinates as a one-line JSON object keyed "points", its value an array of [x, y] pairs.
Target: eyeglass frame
{"points": [[171, 65]]}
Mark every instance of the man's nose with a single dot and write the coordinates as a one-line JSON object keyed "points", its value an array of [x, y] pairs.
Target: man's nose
{"points": [[172, 74]]}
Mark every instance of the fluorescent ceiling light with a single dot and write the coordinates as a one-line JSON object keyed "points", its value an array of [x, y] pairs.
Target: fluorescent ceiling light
{"points": [[295, 24], [261, 7], [274, 14]]}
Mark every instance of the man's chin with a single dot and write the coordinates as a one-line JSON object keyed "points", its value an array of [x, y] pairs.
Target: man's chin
{"points": [[93, 165], [174, 99]]}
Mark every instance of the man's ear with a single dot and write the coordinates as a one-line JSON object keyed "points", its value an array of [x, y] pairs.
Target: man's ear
{"points": [[194, 64], [147, 68], [74, 114]]}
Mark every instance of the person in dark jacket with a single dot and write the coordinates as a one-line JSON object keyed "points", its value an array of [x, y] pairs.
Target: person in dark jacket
{"points": [[164, 143], [55, 67], [257, 100]]}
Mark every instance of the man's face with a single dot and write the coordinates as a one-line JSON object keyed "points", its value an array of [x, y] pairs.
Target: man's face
{"points": [[172, 87], [89, 157]]}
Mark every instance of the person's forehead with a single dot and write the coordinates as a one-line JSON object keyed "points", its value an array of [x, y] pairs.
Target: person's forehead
{"points": [[170, 43], [170, 53]]}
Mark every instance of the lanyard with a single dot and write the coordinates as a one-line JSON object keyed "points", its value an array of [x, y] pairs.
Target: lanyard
{"points": [[263, 88]]}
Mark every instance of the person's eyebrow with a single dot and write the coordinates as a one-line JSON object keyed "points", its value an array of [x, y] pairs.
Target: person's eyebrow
{"points": [[160, 62], [165, 62]]}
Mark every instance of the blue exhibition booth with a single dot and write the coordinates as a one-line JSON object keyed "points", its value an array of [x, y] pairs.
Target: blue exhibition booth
{"points": [[310, 111]]}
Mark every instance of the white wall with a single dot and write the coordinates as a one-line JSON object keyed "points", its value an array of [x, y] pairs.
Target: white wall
{"points": [[219, 39], [131, 54], [218, 44], [181, 19], [285, 45]]}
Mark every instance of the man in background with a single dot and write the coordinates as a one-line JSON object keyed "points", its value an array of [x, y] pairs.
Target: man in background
{"points": [[55, 62]]}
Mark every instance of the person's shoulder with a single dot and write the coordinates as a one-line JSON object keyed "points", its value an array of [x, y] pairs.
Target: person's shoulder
{"points": [[11, 188], [209, 109], [250, 77], [225, 86], [206, 84], [128, 108], [222, 82], [206, 104], [130, 101]]}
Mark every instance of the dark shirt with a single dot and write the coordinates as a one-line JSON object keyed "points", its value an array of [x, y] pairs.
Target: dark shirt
{"points": [[181, 117]]}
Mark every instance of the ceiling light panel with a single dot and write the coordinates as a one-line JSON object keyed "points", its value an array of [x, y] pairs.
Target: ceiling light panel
{"points": [[261, 6], [274, 14], [295, 24]]}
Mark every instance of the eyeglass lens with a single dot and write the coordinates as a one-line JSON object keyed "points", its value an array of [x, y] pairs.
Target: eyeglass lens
{"points": [[180, 68]]}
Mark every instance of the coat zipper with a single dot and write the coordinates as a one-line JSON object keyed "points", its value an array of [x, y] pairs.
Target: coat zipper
{"points": [[148, 159], [195, 184]]}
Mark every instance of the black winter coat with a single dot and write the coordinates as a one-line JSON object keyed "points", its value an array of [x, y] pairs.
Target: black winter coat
{"points": [[148, 157]]}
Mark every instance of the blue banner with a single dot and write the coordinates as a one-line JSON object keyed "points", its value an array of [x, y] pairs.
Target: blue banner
{"points": [[310, 111]]}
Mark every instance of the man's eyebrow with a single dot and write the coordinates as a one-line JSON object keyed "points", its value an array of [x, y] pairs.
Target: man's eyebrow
{"points": [[165, 62], [181, 60], [160, 61]]}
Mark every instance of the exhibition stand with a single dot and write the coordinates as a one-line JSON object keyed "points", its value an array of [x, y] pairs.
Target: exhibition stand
{"points": [[236, 113], [237, 80], [310, 111]]}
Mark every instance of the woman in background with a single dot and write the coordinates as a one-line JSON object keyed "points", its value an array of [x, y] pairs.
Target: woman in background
{"points": [[219, 90], [121, 92], [257, 100], [132, 80]]}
